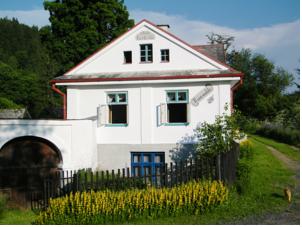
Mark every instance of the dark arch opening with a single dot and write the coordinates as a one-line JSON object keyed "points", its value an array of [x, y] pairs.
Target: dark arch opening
{"points": [[25, 162]]}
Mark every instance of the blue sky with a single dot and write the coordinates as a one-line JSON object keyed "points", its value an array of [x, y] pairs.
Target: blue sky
{"points": [[269, 27], [232, 13]]}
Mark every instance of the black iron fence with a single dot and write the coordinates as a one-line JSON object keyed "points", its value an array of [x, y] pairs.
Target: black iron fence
{"points": [[221, 167]]}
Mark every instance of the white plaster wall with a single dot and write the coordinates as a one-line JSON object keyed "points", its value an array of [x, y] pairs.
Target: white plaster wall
{"points": [[74, 139], [143, 101], [111, 58]]}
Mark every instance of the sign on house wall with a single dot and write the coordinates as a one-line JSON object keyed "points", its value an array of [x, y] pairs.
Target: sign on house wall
{"points": [[200, 95], [145, 35]]}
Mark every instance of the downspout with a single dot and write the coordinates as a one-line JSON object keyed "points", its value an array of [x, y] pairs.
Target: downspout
{"points": [[233, 89], [55, 89]]}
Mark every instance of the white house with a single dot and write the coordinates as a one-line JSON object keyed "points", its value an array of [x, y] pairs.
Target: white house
{"points": [[142, 95]]}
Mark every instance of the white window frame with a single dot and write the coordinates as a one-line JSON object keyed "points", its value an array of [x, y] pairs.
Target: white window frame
{"points": [[146, 53]]}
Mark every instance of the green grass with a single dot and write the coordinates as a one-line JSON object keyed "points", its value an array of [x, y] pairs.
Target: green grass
{"points": [[282, 147], [268, 179], [17, 217]]}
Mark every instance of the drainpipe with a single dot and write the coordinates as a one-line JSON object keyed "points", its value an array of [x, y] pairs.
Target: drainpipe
{"points": [[55, 89], [233, 89]]}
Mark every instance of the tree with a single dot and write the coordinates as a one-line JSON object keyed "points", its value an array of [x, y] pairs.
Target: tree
{"points": [[25, 69], [262, 93], [221, 39], [79, 27], [21, 88], [298, 77], [8, 104]]}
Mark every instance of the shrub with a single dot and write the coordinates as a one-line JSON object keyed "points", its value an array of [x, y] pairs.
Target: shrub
{"points": [[243, 169], [218, 137], [246, 149], [247, 124], [274, 130], [243, 180], [105, 207], [8, 104]]}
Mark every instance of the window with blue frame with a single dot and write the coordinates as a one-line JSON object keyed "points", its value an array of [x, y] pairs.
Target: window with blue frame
{"points": [[177, 106], [117, 103], [147, 164]]}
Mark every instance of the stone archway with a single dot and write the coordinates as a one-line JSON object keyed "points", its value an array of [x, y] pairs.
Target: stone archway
{"points": [[24, 164]]}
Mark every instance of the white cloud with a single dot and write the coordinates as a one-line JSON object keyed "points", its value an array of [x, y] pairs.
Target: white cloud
{"points": [[32, 17], [280, 42]]}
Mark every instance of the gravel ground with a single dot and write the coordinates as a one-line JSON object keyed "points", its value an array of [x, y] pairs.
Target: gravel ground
{"points": [[289, 216]]}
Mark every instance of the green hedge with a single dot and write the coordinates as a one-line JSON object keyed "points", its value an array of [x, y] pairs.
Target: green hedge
{"points": [[279, 133], [272, 130]]}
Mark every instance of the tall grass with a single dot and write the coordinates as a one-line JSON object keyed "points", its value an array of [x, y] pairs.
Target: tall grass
{"points": [[108, 206], [3, 200]]}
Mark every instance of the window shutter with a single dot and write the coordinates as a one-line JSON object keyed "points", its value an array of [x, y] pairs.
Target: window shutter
{"points": [[98, 116], [163, 113], [102, 115], [188, 113], [127, 113]]}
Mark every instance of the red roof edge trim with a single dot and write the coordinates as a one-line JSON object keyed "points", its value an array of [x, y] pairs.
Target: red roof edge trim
{"points": [[146, 78]]}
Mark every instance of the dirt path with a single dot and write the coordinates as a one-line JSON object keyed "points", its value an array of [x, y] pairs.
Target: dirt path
{"points": [[289, 163], [291, 215]]}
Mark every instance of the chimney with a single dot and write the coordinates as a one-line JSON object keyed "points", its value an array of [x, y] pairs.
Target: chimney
{"points": [[165, 27]]}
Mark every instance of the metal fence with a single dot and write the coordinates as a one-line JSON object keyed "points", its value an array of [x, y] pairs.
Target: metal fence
{"points": [[221, 167]]}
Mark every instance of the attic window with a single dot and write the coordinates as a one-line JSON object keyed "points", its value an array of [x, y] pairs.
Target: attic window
{"points": [[146, 53], [165, 55], [127, 57]]}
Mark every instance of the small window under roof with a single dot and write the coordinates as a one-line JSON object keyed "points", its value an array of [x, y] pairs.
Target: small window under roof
{"points": [[127, 57], [165, 55]]}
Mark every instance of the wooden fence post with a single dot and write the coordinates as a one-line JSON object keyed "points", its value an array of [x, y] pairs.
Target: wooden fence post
{"points": [[190, 174], [218, 167], [186, 171], [166, 175], [171, 174], [91, 180]]}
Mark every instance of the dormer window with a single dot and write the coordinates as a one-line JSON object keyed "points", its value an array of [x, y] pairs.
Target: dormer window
{"points": [[146, 53], [127, 57], [165, 55]]}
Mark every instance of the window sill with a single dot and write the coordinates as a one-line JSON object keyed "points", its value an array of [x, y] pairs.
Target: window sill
{"points": [[145, 62], [164, 61], [176, 124], [116, 125]]}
